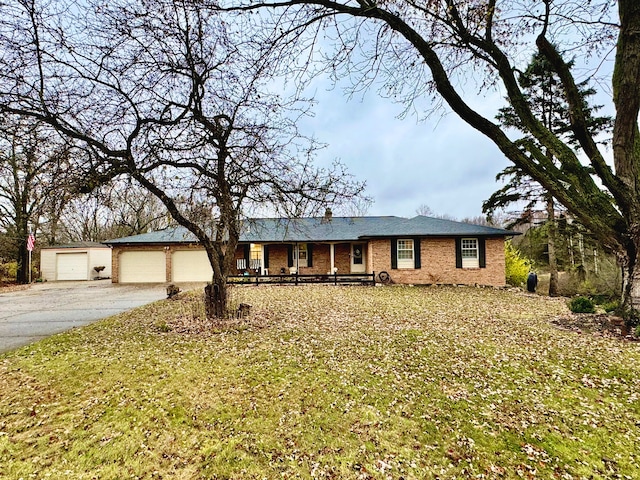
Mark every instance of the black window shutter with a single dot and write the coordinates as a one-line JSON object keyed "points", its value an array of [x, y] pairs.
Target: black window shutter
{"points": [[309, 255], [290, 255], [458, 253], [416, 253], [266, 256], [247, 251], [482, 255], [394, 253]]}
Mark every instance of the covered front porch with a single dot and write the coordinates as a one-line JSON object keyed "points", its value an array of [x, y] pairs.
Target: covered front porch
{"points": [[299, 258]]}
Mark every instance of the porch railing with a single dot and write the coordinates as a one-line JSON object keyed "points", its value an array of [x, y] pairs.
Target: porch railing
{"points": [[297, 279]]}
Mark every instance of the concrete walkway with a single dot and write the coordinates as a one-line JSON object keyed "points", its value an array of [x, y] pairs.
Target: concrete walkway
{"points": [[48, 308]]}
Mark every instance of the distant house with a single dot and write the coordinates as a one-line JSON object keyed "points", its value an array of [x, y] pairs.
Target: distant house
{"points": [[75, 261], [420, 250]]}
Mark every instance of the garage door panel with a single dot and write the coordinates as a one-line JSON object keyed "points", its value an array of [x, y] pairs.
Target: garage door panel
{"points": [[190, 266], [72, 266], [142, 267]]}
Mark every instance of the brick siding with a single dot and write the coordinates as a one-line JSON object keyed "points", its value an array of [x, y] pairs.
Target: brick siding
{"points": [[438, 263], [437, 258]]}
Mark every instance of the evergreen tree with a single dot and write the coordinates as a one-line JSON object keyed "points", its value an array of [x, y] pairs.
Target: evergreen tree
{"points": [[544, 92]]}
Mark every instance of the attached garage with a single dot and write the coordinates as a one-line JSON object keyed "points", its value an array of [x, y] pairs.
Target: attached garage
{"points": [[190, 266], [75, 261], [142, 266]]}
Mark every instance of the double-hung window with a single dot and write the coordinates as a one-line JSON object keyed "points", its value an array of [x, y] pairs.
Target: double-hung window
{"points": [[255, 256], [405, 254], [469, 251]]}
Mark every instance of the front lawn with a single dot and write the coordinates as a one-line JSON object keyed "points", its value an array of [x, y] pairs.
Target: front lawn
{"points": [[326, 382]]}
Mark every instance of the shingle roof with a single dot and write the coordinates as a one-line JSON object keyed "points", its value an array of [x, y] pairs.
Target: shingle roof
{"points": [[75, 245], [319, 229], [168, 235]]}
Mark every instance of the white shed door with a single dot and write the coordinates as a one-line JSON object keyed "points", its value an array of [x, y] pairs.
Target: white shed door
{"points": [[72, 266], [142, 267], [190, 266]]}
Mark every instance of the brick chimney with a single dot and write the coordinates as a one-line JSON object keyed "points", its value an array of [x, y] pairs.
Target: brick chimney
{"points": [[327, 215]]}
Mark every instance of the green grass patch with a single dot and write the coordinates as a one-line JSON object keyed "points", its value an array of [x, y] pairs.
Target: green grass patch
{"points": [[325, 382]]}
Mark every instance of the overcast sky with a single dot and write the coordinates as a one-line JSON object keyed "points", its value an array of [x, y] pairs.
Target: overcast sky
{"points": [[442, 162]]}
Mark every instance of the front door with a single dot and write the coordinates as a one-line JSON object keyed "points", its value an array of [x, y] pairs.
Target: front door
{"points": [[358, 264]]}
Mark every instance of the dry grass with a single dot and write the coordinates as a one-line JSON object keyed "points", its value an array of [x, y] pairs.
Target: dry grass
{"points": [[326, 382]]}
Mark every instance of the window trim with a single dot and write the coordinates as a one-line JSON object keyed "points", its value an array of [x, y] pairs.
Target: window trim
{"points": [[407, 247], [470, 261]]}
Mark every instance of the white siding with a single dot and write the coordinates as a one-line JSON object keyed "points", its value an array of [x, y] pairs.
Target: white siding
{"points": [[100, 257], [48, 264], [58, 263], [190, 266], [143, 266]]}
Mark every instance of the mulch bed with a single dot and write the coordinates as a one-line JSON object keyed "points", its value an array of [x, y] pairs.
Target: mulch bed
{"points": [[596, 324]]}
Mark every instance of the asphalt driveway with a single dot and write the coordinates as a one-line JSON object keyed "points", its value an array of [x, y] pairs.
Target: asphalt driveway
{"points": [[48, 308]]}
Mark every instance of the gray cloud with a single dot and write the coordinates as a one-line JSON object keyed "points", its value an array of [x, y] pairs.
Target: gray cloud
{"points": [[441, 162]]}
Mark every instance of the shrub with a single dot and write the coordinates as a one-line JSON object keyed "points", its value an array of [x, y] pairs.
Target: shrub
{"points": [[611, 306], [600, 299], [587, 288], [9, 271], [517, 267], [581, 305]]}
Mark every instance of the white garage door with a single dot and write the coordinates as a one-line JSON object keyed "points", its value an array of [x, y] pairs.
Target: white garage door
{"points": [[72, 266], [190, 266], [142, 267]]}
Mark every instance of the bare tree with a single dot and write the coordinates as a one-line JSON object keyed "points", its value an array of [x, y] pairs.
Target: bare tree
{"points": [[175, 98], [118, 209], [133, 211], [428, 50], [424, 210], [34, 166]]}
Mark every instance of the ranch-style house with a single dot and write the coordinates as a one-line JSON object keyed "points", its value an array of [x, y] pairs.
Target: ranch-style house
{"points": [[419, 250]]}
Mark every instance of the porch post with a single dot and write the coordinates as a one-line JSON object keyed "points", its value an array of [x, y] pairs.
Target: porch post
{"points": [[332, 255]]}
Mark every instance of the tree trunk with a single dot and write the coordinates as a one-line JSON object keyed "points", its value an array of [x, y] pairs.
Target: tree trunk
{"points": [[22, 231], [215, 300], [573, 260], [23, 263], [551, 245], [630, 301]]}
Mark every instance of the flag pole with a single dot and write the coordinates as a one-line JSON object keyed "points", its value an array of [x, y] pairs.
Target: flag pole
{"points": [[31, 241]]}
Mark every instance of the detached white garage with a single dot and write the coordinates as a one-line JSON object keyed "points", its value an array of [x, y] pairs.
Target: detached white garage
{"points": [[75, 261]]}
